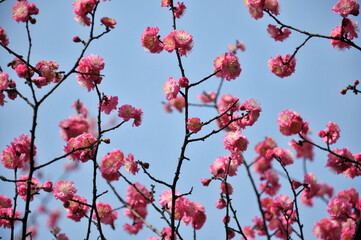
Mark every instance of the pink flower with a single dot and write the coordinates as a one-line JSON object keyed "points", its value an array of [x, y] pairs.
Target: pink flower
{"points": [[303, 150], [312, 186], [47, 186], [290, 122], [249, 232], [77, 210], [331, 134], [130, 165], [106, 213], [179, 10], [22, 71], [109, 104], [349, 30], [255, 8], [4, 81], [220, 166], [228, 66], [235, 142], [73, 127], [229, 188], [21, 11], [81, 9], [337, 164], [9, 158], [272, 5], [284, 156], [64, 190], [126, 112], [53, 218], [183, 82], [5, 202], [62, 236], [110, 165], [89, 71], [84, 141], [4, 40], [181, 40], [253, 109], [18, 153], [271, 186], [165, 3], [194, 125], [339, 209], [278, 34], [137, 117], [171, 89], [221, 203], [346, 7], [108, 22], [150, 41], [178, 103], [7, 212], [48, 71], [282, 67], [23, 186]]}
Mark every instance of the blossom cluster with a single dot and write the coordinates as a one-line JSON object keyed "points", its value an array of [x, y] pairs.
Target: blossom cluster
{"points": [[6, 211], [4, 40], [228, 66], [278, 34], [185, 210], [256, 7], [88, 71], [84, 143], [18, 153], [105, 213], [282, 67], [343, 161], [343, 209], [47, 71], [348, 28], [22, 11], [81, 9]]}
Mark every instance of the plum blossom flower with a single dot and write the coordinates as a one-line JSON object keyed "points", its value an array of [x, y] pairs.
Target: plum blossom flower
{"points": [[23, 186], [235, 142], [349, 31], [88, 71], [282, 67], [339, 209], [109, 104], [22, 11], [290, 122], [179, 10], [73, 127], [84, 141], [312, 186], [346, 7], [77, 210], [81, 9], [171, 89], [108, 22], [207, 97], [165, 3], [278, 34], [130, 165], [194, 125], [127, 112], [150, 40], [64, 190], [303, 150], [4, 40], [110, 165], [183, 82], [228, 66], [331, 134], [337, 164], [179, 39], [106, 213], [80, 108]]}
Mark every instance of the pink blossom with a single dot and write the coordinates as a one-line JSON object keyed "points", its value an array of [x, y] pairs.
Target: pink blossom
{"points": [[278, 34], [109, 104], [22, 71], [354, 170], [346, 7], [138, 116], [282, 67], [4, 40], [108, 22], [229, 188], [351, 195], [221, 203], [284, 156], [235, 142], [64, 190], [258, 225], [339, 209], [179, 10], [349, 30], [241, 46], [9, 158], [171, 89], [337, 164], [21, 11], [62, 236], [84, 140], [73, 127], [150, 41], [77, 210], [47, 186], [169, 43], [88, 71], [130, 165], [183, 82], [81, 9], [303, 150], [194, 125], [48, 71], [126, 112], [7, 212], [253, 109], [306, 201], [325, 190], [272, 5], [331, 134], [249, 232], [53, 218], [228, 66], [23, 186], [232, 48], [165, 3], [255, 8], [207, 97], [312, 187], [110, 165], [5, 202], [181, 40], [220, 166], [290, 122], [105, 213], [178, 103], [271, 186]]}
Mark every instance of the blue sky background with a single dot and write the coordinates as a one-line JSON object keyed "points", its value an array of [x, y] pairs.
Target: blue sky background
{"points": [[137, 78]]}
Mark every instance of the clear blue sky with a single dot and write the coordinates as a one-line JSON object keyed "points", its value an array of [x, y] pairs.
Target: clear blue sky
{"points": [[137, 78]]}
